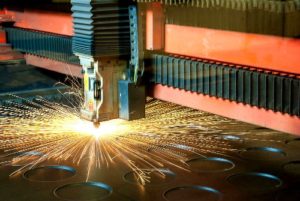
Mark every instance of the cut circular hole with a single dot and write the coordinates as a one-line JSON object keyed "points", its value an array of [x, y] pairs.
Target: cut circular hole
{"points": [[192, 193], [227, 138], [263, 153], [85, 191], [213, 164], [231, 138], [255, 182], [181, 147], [160, 148], [49, 173], [156, 177], [26, 158], [292, 194], [292, 168]]}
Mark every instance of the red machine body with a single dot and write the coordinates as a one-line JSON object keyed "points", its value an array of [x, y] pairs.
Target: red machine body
{"points": [[275, 54]]}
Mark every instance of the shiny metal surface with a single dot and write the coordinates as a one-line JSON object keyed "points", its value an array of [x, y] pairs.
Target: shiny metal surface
{"points": [[264, 166]]}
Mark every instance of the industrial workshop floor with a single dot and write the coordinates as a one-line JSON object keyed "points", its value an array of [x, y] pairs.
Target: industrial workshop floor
{"points": [[259, 165]]}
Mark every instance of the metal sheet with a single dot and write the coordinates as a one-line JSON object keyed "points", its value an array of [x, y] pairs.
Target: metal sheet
{"points": [[237, 180]]}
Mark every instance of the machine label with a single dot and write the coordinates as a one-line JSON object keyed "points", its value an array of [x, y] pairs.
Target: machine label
{"points": [[86, 82]]}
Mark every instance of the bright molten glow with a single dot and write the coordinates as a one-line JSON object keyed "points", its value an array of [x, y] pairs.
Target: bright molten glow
{"points": [[105, 129]]}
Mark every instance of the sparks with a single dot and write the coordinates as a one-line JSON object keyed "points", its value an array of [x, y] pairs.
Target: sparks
{"points": [[166, 137]]}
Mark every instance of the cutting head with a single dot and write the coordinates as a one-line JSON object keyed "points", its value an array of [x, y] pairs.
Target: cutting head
{"points": [[92, 90]]}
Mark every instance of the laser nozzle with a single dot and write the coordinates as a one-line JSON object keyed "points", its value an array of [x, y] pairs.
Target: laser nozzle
{"points": [[96, 124]]}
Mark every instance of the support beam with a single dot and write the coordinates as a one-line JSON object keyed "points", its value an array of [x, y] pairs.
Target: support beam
{"points": [[260, 51], [53, 65], [52, 22], [2, 36], [4, 17], [155, 26]]}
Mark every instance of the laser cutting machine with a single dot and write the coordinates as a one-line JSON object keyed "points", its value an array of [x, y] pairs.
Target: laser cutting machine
{"points": [[235, 58]]}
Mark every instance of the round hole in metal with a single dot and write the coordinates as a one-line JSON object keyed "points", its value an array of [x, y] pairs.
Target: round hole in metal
{"points": [[49, 173], [192, 193], [25, 158], [255, 182], [292, 168], [231, 138], [85, 191], [263, 153], [291, 194], [212, 164], [156, 176]]}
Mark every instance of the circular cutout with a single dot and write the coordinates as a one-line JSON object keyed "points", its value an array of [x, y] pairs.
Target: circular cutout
{"points": [[231, 138], [255, 182], [182, 147], [85, 191], [228, 138], [156, 177], [49, 173], [263, 153], [192, 193], [292, 168], [26, 158], [292, 194], [212, 164]]}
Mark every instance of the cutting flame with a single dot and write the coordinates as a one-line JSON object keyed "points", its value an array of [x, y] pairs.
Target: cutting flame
{"points": [[106, 128]]}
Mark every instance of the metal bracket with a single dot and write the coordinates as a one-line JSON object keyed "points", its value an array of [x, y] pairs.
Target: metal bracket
{"points": [[135, 71]]}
